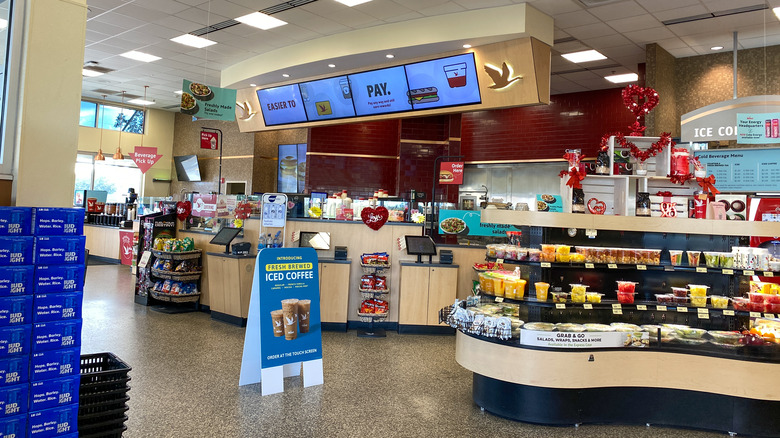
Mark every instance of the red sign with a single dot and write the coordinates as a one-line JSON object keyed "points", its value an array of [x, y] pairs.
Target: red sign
{"points": [[126, 247], [451, 172], [204, 205], [209, 140], [145, 157]]}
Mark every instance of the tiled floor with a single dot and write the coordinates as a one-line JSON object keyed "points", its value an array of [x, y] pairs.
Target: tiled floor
{"points": [[186, 367]]}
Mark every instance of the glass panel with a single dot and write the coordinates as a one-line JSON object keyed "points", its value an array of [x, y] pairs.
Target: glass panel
{"points": [[5, 18], [88, 114], [125, 119], [116, 180]]}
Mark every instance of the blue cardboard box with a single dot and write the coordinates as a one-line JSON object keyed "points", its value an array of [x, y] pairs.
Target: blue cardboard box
{"points": [[59, 278], [53, 422], [55, 363], [16, 221], [17, 280], [59, 250], [56, 335], [16, 310], [16, 250], [59, 221], [13, 399], [57, 307], [45, 394], [15, 340], [14, 370], [13, 427]]}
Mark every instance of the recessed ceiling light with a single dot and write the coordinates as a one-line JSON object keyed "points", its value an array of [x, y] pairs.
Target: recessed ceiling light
{"points": [[351, 3], [3, 23], [261, 21], [584, 56], [777, 12], [467, 46], [141, 102], [90, 73], [252, 85], [140, 56], [619, 79], [178, 92], [285, 75], [389, 56], [332, 65], [193, 41], [716, 48]]}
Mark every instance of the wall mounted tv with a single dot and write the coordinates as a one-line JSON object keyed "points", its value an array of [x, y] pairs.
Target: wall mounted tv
{"points": [[187, 168]]}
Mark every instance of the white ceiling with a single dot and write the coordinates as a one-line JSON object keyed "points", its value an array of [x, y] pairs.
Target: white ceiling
{"points": [[619, 29]]}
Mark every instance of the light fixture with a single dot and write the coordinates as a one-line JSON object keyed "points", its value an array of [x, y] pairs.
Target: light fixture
{"points": [[777, 12], [118, 154], [351, 3], [389, 56], [260, 21], [619, 79], [141, 101], [467, 46], [716, 48], [285, 75], [584, 56], [332, 65], [140, 56], [252, 85], [193, 41], [90, 73], [100, 156]]}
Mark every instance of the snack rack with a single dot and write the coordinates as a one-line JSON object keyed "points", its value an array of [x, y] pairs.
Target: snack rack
{"points": [[367, 294], [190, 276]]}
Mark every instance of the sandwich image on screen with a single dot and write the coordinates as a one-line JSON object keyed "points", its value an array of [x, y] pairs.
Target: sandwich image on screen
{"points": [[423, 95]]}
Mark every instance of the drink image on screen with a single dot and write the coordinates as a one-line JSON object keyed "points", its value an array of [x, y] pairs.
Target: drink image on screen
{"points": [[456, 74], [304, 92], [277, 317], [775, 128], [768, 128], [345, 91], [304, 308], [290, 314]]}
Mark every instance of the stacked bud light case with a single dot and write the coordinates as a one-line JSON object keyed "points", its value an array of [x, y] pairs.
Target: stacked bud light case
{"points": [[41, 286]]}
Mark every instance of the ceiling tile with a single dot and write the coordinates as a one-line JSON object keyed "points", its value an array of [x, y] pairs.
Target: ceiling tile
{"points": [[635, 23], [93, 11], [648, 35], [447, 8], [553, 7], [202, 17], [672, 43], [181, 25], [572, 19], [622, 51], [616, 11], [166, 6], [674, 14], [106, 4], [406, 17], [683, 52], [227, 9], [663, 5], [752, 43], [120, 20], [591, 31], [104, 28], [606, 42], [193, 2], [560, 34], [255, 5], [725, 5], [481, 4], [385, 10]]}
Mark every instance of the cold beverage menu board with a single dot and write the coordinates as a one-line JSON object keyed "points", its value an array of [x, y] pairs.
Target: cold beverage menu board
{"points": [[743, 170], [424, 85]]}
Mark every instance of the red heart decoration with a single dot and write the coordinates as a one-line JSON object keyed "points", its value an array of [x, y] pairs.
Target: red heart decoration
{"points": [[596, 207], [374, 217], [183, 210], [243, 210], [639, 100]]}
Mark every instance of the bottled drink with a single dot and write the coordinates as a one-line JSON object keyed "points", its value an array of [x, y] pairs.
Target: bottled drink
{"points": [[269, 242], [261, 242]]}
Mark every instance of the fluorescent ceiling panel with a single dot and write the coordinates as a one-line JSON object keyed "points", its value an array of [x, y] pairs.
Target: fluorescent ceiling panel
{"points": [[584, 56], [261, 21], [619, 79], [193, 41], [140, 56], [351, 3]]}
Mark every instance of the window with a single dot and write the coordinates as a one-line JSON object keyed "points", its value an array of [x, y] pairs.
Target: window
{"points": [[112, 176], [6, 34], [112, 117]]}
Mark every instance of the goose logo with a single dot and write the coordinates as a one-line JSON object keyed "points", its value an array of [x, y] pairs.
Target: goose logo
{"points": [[245, 111], [501, 78]]}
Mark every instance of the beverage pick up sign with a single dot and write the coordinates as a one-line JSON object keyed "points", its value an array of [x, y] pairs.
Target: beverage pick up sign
{"points": [[145, 157], [207, 102], [284, 327]]}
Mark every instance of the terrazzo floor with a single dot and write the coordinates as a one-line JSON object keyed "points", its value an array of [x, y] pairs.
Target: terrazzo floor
{"points": [[186, 367]]}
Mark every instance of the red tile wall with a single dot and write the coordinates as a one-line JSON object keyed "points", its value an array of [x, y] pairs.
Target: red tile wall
{"points": [[435, 128], [576, 120], [372, 138]]}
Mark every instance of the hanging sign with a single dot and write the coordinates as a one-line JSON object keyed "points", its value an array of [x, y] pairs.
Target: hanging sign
{"points": [[469, 223], [209, 140], [204, 205], [451, 172], [207, 102], [145, 157]]}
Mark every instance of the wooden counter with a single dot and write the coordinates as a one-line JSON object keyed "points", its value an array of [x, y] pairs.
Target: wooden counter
{"points": [[103, 241], [230, 285], [425, 289]]}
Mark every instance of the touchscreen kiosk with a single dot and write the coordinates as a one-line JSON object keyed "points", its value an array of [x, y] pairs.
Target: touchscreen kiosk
{"points": [[224, 237], [314, 240], [420, 246]]}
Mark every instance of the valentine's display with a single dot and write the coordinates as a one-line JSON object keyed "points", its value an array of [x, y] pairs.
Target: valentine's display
{"points": [[374, 288], [183, 210], [374, 218], [578, 201], [643, 204]]}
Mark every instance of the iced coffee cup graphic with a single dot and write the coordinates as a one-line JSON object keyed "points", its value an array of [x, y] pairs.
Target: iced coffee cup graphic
{"points": [[277, 318], [304, 310], [456, 74], [290, 316]]}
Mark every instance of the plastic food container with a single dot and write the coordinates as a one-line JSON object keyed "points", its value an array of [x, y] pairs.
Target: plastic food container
{"points": [[576, 258], [593, 297], [548, 253], [598, 328], [772, 308], [498, 286], [534, 255], [653, 257], [772, 299], [511, 252], [569, 327], [680, 300], [757, 297], [698, 301], [599, 255], [522, 254], [578, 293], [627, 286], [726, 260], [559, 297], [698, 290], [693, 257], [626, 297], [501, 251], [653, 330], [625, 327], [680, 291], [510, 287], [719, 302], [711, 259], [485, 283], [541, 290], [690, 332], [756, 307], [491, 250], [562, 253], [664, 298], [740, 303], [676, 257], [725, 337], [539, 326], [622, 256], [586, 253]]}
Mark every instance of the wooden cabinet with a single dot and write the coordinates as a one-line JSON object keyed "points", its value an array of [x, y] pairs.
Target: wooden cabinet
{"points": [[102, 241], [230, 285], [334, 291], [425, 289]]}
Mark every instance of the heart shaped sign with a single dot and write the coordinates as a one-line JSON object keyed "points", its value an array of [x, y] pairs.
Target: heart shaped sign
{"points": [[183, 210], [639, 100], [374, 217], [596, 207]]}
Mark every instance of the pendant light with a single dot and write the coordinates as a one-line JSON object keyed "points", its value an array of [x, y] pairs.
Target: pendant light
{"points": [[99, 156], [118, 154]]}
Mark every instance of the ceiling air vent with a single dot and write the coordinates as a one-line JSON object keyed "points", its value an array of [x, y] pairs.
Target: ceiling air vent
{"points": [[594, 3], [98, 69]]}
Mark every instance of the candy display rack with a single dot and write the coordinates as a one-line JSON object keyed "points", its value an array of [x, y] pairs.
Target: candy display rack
{"points": [[371, 318], [192, 276]]}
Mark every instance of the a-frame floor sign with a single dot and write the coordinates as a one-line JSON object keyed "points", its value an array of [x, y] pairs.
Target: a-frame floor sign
{"points": [[283, 331]]}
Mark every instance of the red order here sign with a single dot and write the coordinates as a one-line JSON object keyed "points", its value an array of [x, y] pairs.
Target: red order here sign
{"points": [[451, 172]]}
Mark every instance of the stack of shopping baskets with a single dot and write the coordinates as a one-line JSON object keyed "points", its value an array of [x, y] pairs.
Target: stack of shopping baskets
{"points": [[103, 396]]}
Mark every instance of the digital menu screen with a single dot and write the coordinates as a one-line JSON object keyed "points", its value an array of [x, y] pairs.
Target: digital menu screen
{"points": [[380, 91], [282, 105], [443, 82], [329, 98]]}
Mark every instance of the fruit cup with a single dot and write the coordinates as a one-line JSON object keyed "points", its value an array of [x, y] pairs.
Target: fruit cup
{"points": [[548, 253], [676, 257], [719, 302], [593, 297], [627, 286], [664, 298], [697, 301], [740, 303], [498, 286], [625, 297], [510, 287], [520, 290], [485, 283], [726, 260], [578, 293], [541, 290], [698, 290], [711, 259], [654, 256], [559, 297], [693, 257], [562, 253], [680, 291]]}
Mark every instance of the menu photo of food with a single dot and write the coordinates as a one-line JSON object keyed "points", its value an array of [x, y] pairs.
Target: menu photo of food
{"points": [[453, 225], [547, 202]]}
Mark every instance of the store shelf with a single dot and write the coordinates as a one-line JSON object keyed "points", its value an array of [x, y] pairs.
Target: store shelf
{"points": [[181, 255], [178, 276], [632, 223]]}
